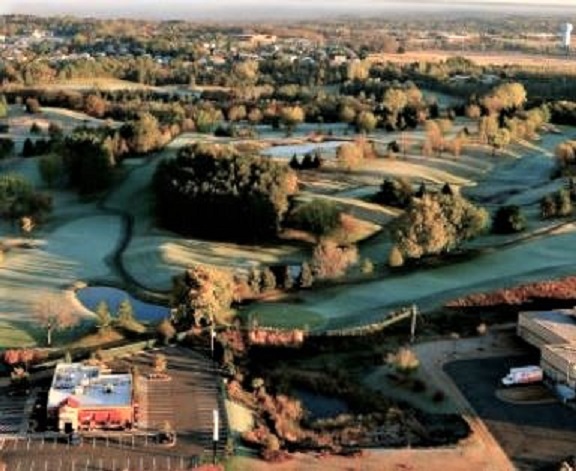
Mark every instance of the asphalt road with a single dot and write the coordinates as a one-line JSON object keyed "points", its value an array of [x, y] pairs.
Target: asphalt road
{"points": [[533, 435]]}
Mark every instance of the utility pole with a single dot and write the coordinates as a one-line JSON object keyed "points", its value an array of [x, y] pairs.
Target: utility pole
{"points": [[215, 433], [414, 313], [212, 337]]}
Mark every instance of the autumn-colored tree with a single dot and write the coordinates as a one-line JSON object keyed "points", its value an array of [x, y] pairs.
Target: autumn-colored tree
{"points": [[54, 313], [394, 101], [505, 96], [166, 331], [27, 225], [207, 291], [366, 122], [358, 70], [95, 106], [395, 257], [237, 113], [255, 116], [487, 128], [436, 223], [347, 114], [306, 277], [473, 112], [268, 280], [500, 140], [125, 313], [159, 363], [329, 260], [143, 134], [291, 116], [104, 318], [349, 156], [11, 357], [405, 361]]}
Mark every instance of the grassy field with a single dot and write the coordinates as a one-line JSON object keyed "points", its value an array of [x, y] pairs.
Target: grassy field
{"points": [[16, 334], [530, 61]]}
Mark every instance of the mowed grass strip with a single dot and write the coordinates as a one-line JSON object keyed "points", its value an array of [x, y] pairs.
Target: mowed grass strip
{"points": [[13, 335], [283, 316]]}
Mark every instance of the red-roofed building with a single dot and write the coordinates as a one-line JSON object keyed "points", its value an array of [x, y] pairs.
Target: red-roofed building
{"points": [[83, 398]]}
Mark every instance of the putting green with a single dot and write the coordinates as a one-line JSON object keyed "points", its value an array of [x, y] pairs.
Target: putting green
{"points": [[283, 316]]}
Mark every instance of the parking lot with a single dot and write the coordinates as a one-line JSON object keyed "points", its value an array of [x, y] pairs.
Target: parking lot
{"points": [[186, 401], [533, 435], [12, 413]]}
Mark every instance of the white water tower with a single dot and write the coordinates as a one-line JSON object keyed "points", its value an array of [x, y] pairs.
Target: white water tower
{"points": [[565, 33]]}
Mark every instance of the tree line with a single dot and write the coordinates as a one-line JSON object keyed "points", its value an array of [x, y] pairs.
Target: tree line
{"points": [[214, 192]]}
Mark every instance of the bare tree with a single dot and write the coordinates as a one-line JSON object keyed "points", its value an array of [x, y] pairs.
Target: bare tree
{"points": [[54, 313]]}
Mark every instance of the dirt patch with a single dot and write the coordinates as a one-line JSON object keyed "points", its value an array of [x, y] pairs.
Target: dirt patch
{"points": [[536, 394], [504, 58]]}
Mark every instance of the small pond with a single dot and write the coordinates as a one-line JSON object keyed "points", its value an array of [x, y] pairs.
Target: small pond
{"points": [[286, 152], [320, 406], [91, 296]]}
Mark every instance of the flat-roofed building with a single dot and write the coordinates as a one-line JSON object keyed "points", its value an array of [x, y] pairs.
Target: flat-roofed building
{"points": [[87, 398], [559, 363], [554, 334], [541, 328]]}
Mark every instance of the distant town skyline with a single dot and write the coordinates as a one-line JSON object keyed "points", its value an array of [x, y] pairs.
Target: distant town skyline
{"points": [[254, 9]]}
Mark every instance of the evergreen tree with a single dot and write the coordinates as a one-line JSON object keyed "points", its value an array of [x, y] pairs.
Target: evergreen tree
{"points": [[447, 190], [28, 150], [104, 318], [268, 281], [125, 314], [294, 164], [287, 280], [305, 278], [307, 161], [254, 280]]}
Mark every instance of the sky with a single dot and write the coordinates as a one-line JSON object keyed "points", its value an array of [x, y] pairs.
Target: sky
{"points": [[254, 9]]}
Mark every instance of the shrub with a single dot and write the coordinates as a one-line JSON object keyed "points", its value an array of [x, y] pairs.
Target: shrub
{"points": [[32, 106], [395, 257], [320, 217], [35, 128], [404, 360], [438, 396], [166, 331], [508, 220], [418, 386]]}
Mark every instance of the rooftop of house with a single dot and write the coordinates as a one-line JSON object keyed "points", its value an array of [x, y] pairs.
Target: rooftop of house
{"points": [[89, 386]]}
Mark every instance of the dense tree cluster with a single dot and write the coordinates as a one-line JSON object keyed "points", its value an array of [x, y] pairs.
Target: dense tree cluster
{"points": [[19, 199], [204, 295], [6, 147], [557, 204], [437, 223], [508, 220], [214, 192], [88, 162], [308, 162], [395, 192], [320, 217]]}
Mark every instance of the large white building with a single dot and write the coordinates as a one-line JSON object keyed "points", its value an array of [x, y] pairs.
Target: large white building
{"points": [[554, 334]]}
